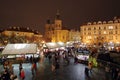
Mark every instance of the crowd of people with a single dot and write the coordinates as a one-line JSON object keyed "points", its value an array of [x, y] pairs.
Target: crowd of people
{"points": [[55, 58], [112, 72], [8, 72]]}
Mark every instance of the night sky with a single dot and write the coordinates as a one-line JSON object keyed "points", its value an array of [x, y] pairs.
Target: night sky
{"points": [[34, 13]]}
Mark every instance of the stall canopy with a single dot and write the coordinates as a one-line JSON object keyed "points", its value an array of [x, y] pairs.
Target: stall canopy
{"points": [[51, 45], [20, 49], [55, 45]]}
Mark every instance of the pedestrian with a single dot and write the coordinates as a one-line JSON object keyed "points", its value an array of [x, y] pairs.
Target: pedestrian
{"points": [[90, 67], [1, 76], [75, 59], [15, 77], [87, 72], [31, 59], [52, 67], [114, 73], [6, 75], [107, 72], [118, 78], [67, 60], [11, 76], [20, 68], [57, 65], [49, 57], [32, 69], [35, 67], [22, 74]]}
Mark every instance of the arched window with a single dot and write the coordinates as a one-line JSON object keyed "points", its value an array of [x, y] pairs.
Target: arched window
{"points": [[99, 28], [104, 28], [94, 28], [84, 29], [116, 27], [89, 28]]}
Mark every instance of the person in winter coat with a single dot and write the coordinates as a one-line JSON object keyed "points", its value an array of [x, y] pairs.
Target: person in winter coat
{"points": [[22, 74]]}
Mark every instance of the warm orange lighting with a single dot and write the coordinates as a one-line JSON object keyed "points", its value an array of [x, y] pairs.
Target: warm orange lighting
{"points": [[43, 41], [87, 41]]}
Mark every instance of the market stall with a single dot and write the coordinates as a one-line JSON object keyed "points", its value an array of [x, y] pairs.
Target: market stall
{"points": [[19, 51]]}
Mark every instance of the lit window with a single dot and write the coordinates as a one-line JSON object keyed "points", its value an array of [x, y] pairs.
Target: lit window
{"points": [[89, 37], [110, 27], [105, 32]]}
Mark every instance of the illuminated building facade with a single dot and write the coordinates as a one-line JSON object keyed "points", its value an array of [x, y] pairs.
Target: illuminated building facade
{"points": [[20, 34], [101, 33], [54, 32], [74, 35]]}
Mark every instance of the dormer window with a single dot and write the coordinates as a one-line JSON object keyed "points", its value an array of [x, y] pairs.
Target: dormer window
{"points": [[14, 27], [27, 28]]}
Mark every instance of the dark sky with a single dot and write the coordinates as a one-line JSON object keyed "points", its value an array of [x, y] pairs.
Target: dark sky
{"points": [[34, 13]]}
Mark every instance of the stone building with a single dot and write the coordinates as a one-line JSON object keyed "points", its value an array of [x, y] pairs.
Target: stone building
{"points": [[101, 32]]}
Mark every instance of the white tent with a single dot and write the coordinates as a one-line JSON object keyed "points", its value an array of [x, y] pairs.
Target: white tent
{"points": [[53, 45], [20, 49]]}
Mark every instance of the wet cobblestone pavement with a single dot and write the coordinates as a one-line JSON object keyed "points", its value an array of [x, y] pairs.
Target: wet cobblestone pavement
{"points": [[65, 72]]}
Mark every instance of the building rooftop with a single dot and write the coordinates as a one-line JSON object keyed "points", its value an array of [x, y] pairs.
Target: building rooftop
{"points": [[21, 29], [115, 20]]}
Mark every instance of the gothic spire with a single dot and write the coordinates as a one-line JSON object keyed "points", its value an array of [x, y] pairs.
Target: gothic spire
{"points": [[57, 15]]}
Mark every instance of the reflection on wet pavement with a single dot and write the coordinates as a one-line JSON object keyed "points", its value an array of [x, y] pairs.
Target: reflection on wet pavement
{"points": [[65, 72]]}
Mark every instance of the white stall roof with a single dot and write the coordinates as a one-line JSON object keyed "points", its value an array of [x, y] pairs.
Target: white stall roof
{"points": [[52, 45], [20, 49]]}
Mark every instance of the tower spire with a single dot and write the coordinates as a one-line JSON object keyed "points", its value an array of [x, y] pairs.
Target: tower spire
{"points": [[58, 15]]}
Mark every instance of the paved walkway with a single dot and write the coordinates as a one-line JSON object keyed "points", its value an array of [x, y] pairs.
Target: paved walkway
{"points": [[65, 72]]}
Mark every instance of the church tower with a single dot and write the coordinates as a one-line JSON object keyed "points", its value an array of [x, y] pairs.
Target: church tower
{"points": [[47, 26], [58, 21]]}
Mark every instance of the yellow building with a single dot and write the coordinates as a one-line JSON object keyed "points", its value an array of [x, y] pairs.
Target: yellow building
{"points": [[60, 36], [54, 32], [18, 31], [74, 35], [100, 33], [20, 34]]}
